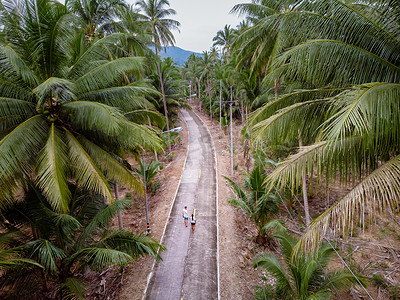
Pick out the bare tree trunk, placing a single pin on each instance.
(305, 197)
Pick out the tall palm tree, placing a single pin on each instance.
(224, 39)
(95, 14)
(155, 13)
(60, 115)
(350, 118)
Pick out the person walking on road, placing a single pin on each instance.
(185, 216)
(193, 222)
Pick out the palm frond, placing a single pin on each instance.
(99, 258)
(86, 172)
(14, 111)
(74, 288)
(367, 110)
(46, 253)
(108, 73)
(271, 264)
(135, 246)
(19, 66)
(141, 116)
(18, 263)
(379, 193)
(126, 97)
(352, 64)
(93, 55)
(85, 115)
(19, 146)
(52, 171)
(326, 157)
(101, 220)
(110, 167)
(134, 135)
(287, 123)
(236, 188)
(46, 90)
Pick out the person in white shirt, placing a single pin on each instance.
(185, 216)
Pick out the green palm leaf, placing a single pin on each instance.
(141, 116)
(350, 65)
(93, 55)
(86, 172)
(100, 221)
(110, 167)
(280, 127)
(17, 263)
(20, 145)
(74, 288)
(271, 264)
(85, 115)
(135, 246)
(370, 109)
(52, 171)
(379, 192)
(99, 258)
(19, 66)
(14, 111)
(108, 73)
(126, 97)
(45, 90)
(46, 253)
(134, 135)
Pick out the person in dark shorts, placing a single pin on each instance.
(185, 216)
(193, 222)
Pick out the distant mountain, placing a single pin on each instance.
(179, 55)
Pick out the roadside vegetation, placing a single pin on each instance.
(80, 92)
(316, 87)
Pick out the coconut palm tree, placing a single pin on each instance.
(65, 246)
(349, 119)
(224, 39)
(303, 277)
(96, 15)
(258, 203)
(155, 13)
(60, 115)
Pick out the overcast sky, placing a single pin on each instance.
(200, 21)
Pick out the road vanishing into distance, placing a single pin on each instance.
(189, 269)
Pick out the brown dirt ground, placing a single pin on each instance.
(375, 251)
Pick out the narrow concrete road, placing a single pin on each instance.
(189, 266)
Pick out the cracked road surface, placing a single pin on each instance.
(189, 266)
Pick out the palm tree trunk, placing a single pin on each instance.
(220, 104)
(120, 225)
(165, 103)
(199, 97)
(305, 197)
(148, 119)
(210, 105)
